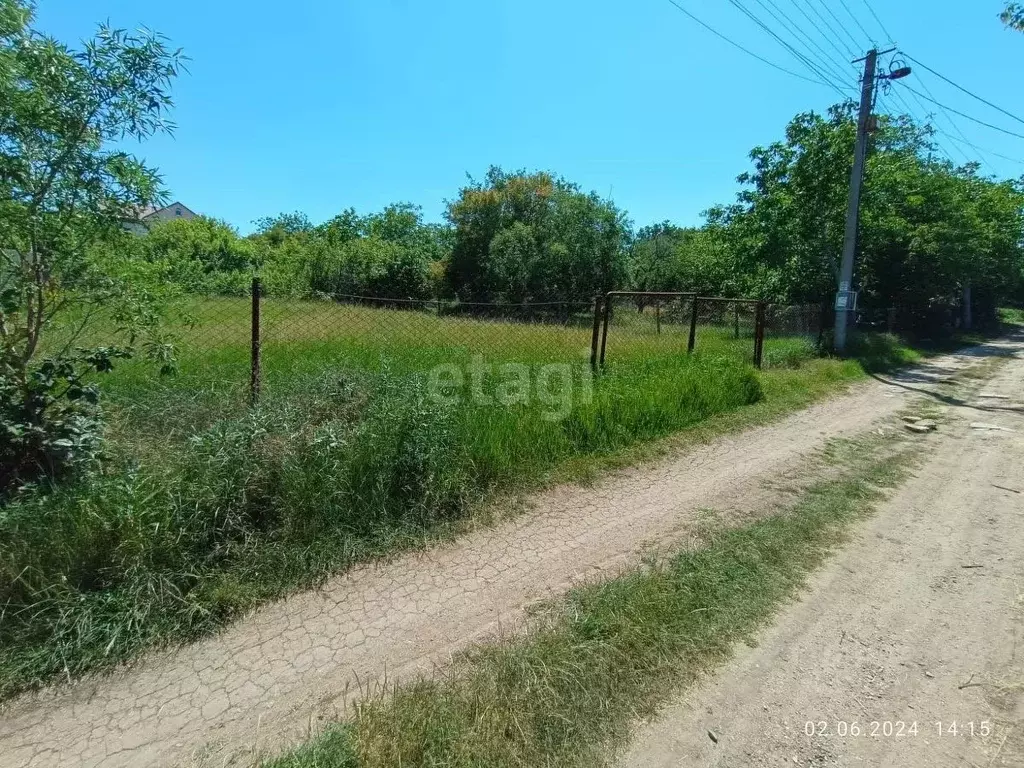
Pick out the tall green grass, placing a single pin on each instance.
(167, 545)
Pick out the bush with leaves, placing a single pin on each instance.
(49, 421)
(200, 255)
(66, 190)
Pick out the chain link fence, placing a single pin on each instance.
(232, 351)
(637, 324)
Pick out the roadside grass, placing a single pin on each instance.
(204, 509)
(1011, 315)
(569, 690)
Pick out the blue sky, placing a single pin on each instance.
(317, 106)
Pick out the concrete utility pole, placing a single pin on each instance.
(844, 302)
(846, 299)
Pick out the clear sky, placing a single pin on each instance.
(316, 105)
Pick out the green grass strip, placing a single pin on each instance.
(568, 692)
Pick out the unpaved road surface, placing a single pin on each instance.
(271, 679)
(919, 621)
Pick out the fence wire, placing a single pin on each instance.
(223, 366)
(304, 338)
(644, 325)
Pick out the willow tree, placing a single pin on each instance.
(67, 185)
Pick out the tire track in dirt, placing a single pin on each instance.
(272, 678)
(919, 620)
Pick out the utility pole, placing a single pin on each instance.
(844, 299)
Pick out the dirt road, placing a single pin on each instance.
(271, 679)
(908, 650)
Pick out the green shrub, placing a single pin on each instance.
(49, 417)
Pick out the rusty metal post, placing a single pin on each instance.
(255, 370)
(604, 332)
(737, 309)
(595, 338)
(759, 325)
(693, 326)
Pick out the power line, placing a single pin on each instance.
(747, 51)
(976, 148)
(929, 123)
(961, 88)
(835, 35)
(944, 113)
(968, 117)
(841, 25)
(837, 61)
(904, 108)
(981, 152)
(835, 67)
(953, 123)
(884, 30)
(825, 38)
(931, 112)
(856, 20)
(799, 56)
(810, 65)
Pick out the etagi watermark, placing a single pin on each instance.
(555, 386)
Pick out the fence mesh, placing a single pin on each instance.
(726, 326)
(309, 340)
(645, 325)
(305, 338)
(792, 334)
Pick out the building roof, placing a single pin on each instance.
(150, 211)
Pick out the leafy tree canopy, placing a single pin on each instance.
(521, 237)
(1013, 16)
(927, 229)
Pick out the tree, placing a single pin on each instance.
(786, 228)
(277, 228)
(66, 188)
(652, 258)
(929, 231)
(524, 237)
(1013, 16)
(391, 254)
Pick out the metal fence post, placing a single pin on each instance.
(595, 338)
(255, 371)
(657, 314)
(604, 332)
(693, 327)
(759, 325)
(737, 308)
